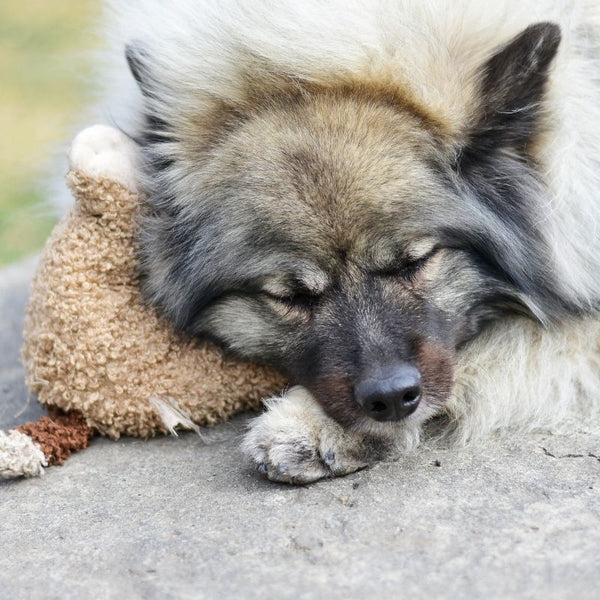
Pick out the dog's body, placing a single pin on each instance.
(396, 203)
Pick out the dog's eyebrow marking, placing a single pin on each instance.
(420, 248)
(314, 279)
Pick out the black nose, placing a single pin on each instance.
(390, 393)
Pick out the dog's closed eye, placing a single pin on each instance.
(299, 300)
(408, 267)
(293, 302)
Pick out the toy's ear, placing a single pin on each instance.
(100, 158)
(512, 84)
(138, 60)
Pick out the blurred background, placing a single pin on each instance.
(46, 60)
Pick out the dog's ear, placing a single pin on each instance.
(512, 87)
(138, 61)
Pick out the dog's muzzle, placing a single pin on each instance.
(390, 393)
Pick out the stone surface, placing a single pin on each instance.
(15, 403)
(184, 518)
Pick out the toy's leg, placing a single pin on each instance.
(105, 152)
(27, 449)
(294, 441)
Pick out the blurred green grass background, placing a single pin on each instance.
(44, 83)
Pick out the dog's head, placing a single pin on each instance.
(342, 234)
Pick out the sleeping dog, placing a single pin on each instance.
(394, 203)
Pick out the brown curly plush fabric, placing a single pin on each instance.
(92, 346)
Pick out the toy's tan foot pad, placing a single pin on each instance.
(103, 152)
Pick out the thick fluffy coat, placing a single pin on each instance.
(346, 190)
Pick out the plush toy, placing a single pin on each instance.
(101, 360)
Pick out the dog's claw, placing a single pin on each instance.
(329, 457)
(262, 468)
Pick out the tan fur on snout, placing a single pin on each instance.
(436, 365)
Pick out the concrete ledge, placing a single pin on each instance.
(178, 518)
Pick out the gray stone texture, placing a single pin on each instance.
(516, 517)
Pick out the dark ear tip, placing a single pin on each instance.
(548, 28)
(547, 34)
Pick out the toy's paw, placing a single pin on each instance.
(294, 441)
(105, 152)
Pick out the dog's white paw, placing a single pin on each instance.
(294, 441)
(105, 152)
